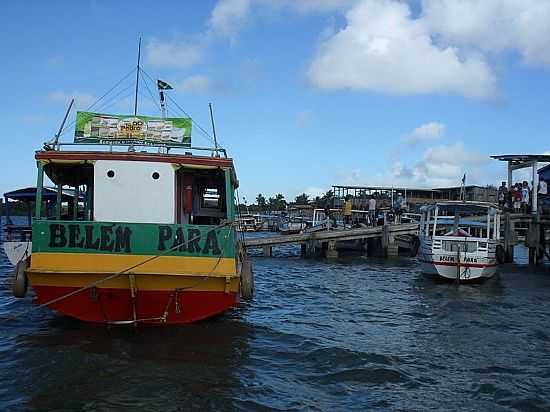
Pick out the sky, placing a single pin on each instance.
(306, 94)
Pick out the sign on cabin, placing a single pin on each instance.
(98, 128)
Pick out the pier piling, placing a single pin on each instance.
(331, 252)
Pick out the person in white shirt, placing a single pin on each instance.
(543, 187)
(372, 211)
(525, 197)
(543, 194)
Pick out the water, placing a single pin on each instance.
(355, 334)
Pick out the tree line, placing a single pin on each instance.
(279, 203)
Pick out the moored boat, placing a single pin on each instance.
(459, 240)
(246, 223)
(148, 237)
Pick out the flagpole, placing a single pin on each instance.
(137, 78)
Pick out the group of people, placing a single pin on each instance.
(519, 197)
(347, 211)
(399, 206)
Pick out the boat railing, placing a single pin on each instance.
(218, 151)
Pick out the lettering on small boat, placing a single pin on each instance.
(109, 239)
(462, 260)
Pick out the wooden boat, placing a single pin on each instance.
(147, 238)
(459, 240)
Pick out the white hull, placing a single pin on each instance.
(17, 251)
(463, 266)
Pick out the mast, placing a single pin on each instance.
(56, 138)
(213, 129)
(137, 78)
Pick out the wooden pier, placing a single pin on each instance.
(531, 229)
(383, 238)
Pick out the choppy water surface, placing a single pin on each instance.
(354, 334)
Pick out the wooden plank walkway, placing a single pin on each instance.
(333, 235)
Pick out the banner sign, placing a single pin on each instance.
(98, 128)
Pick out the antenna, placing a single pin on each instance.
(137, 78)
(214, 130)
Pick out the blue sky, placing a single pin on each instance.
(306, 94)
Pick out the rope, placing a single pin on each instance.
(105, 279)
(166, 308)
(99, 99)
(182, 110)
(157, 105)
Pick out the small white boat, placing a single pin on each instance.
(246, 223)
(459, 240)
(291, 227)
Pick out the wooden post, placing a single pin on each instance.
(267, 251)
(534, 199)
(311, 249)
(364, 247)
(392, 248)
(39, 184)
(508, 239)
(331, 252)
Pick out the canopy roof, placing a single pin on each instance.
(28, 194)
(521, 158)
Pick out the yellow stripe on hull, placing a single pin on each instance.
(111, 263)
(143, 282)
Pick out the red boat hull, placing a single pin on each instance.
(107, 305)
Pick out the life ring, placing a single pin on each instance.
(500, 254)
(247, 280)
(415, 245)
(21, 283)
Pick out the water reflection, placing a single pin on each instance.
(131, 368)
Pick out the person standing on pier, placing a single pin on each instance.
(517, 198)
(372, 211)
(398, 208)
(542, 195)
(525, 197)
(502, 195)
(347, 210)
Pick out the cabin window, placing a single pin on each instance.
(200, 196)
(69, 192)
(211, 198)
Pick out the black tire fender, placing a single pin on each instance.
(20, 281)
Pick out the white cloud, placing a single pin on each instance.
(383, 49)
(313, 192)
(310, 6)
(228, 17)
(81, 100)
(196, 84)
(443, 165)
(424, 133)
(439, 166)
(174, 54)
(493, 25)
